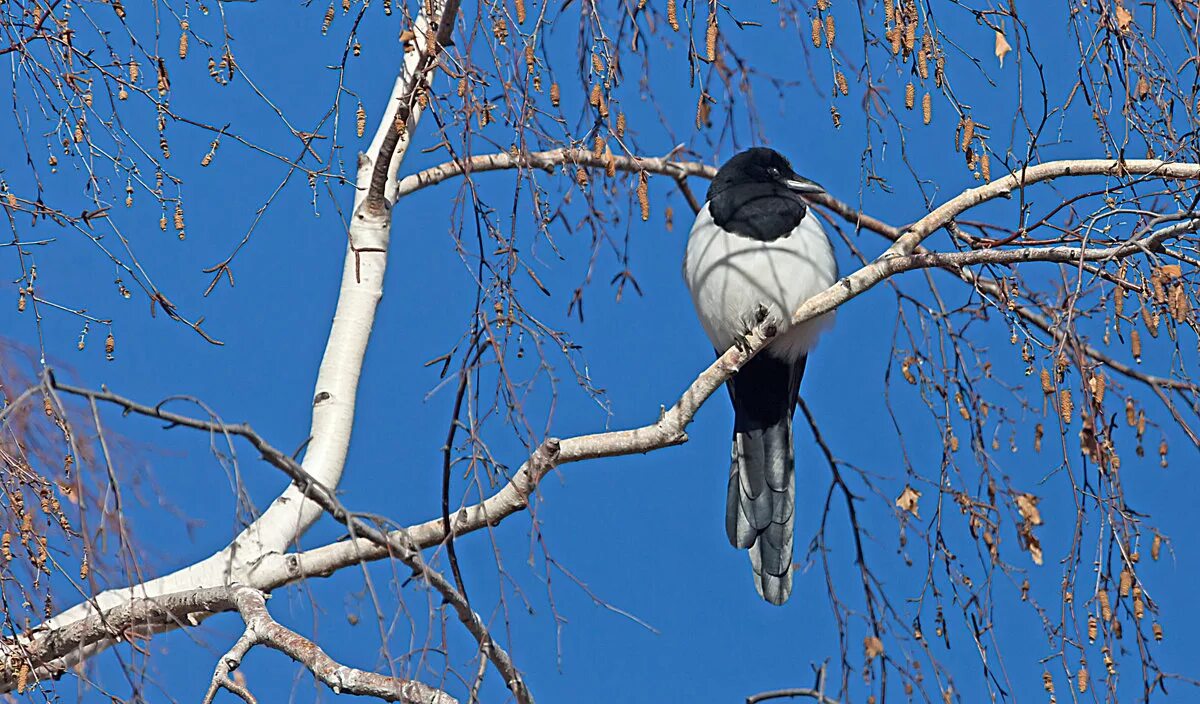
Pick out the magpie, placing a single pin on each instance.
(756, 247)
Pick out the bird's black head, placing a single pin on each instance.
(757, 194)
(760, 165)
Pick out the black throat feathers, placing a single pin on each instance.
(761, 211)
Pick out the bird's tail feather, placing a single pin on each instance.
(761, 500)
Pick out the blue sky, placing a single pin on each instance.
(644, 533)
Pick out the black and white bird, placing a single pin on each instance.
(755, 245)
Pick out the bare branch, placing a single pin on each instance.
(397, 544)
(501, 161)
(229, 662)
(793, 693)
(817, 692)
(261, 629)
(49, 653)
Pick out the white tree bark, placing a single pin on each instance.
(290, 515)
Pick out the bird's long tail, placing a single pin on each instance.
(760, 505)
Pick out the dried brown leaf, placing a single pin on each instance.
(907, 501)
(1002, 47)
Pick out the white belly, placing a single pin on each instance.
(730, 276)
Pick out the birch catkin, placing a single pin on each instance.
(710, 38)
(183, 39)
(643, 194)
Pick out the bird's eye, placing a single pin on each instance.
(773, 172)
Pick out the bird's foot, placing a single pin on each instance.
(768, 325)
(760, 314)
(742, 343)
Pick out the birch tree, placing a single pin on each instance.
(1027, 202)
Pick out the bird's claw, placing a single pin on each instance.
(760, 313)
(742, 342)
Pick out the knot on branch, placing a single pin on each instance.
(546, 457)
(374, 207)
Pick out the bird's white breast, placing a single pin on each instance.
(730, 276)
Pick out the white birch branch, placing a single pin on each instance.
(335, 396)
(49, 654)
(547, 160)
(290, 515)
(262, 629)
(396, 543)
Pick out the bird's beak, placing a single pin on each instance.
(803, 186)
